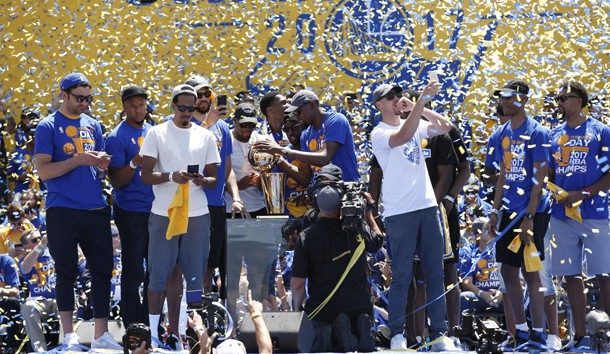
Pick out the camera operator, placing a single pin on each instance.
(339, 308)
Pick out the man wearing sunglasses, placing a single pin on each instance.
(167, 150)
(38, 269)
(69, 155)
(410, 204)
(210, 115)
(522, 155)
(580, 156)
(328, 138)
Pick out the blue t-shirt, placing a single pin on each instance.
(334, 127)
(485, 275)
(21, 161)
(9, 275)
(580, 157)
(62, 138)
(519, 149)
(41, 279)
(222, 134)
(124, 143)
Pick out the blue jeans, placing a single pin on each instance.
(418, 230)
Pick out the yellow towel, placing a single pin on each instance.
(573, 211)
(530, 254)
(178, 212)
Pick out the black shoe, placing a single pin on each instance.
(366, 341)
(537, 340)
(343, 339)
(173, 342)
(520, 341)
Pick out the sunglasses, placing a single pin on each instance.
(247, 125)
(563, 98)
(186, 108)
(390, 96)
(206, 94)
(81, 98)
(509, 94)
(295, 128)
(34, 239)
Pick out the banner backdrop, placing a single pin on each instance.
(328, 46)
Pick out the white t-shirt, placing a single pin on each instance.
(252, 197)
(176, 148)
(406, 185)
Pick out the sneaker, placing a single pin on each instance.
(174, 343)
(444, 344)
(71, 343)
(553, 344)
(519, 342)
(581, 344)
(343, 339)
(537, 340)
(366, 341)
(398, 342)
(106, 341)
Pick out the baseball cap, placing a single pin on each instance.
(29, 112)
(72, 80)
(231, 346)
(383, 90)
(183, 90)
(513, 86)
(330, 171)
(198, 82)
(245, 113)
(131, 91)
(328, 198)
(300, 99)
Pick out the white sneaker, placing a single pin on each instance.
(444, 344)
(105, 342)
(398, 342)
(71, 343)
(553, 344)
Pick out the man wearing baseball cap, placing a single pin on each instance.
(248, 180)
(69, 155)
(132, 200)
(174, 156)
(410, 205)
(210, 115)
(523, 157)
(328, 138)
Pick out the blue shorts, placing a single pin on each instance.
(572, 242)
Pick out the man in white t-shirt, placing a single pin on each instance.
(178, 152)
(411, 211)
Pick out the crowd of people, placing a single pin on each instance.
(114, 222)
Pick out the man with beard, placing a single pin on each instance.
(328, 138)
(182, 233)
(69, 156)
(211, 117)
(249, 181)
(579, 166)
(132, 201)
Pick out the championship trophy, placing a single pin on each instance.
(274, 183)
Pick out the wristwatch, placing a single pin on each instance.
(529, 216)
